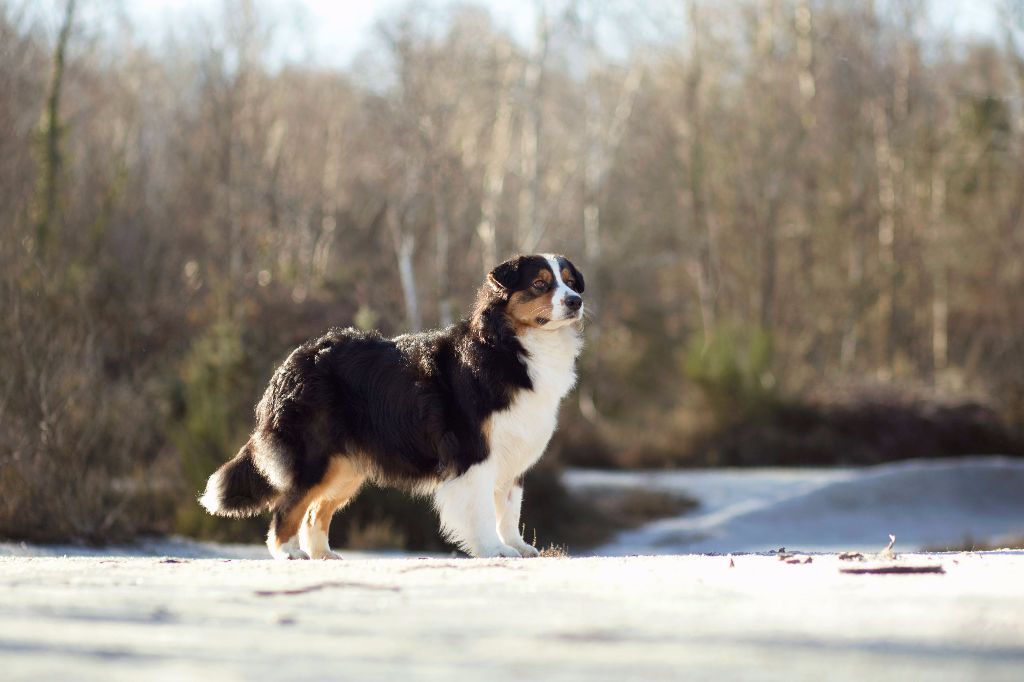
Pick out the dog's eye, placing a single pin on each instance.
(571, 283)
(540, 285)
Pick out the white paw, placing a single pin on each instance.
(526, 551)
(498, 550)
(286, 551)
(326, 555)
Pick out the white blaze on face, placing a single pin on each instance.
(559, 313)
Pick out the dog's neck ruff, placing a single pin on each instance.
(550, 358)
(520, 433)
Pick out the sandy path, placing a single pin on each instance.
(641, 618)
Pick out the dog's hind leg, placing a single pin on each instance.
(283, 538)
(340, 484)
(466, 506)
(281, 461)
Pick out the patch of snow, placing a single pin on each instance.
(573, 620)
(924, 503)
(177, 547)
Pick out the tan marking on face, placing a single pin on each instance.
(341, 481)
(566, 276)
(524, 310)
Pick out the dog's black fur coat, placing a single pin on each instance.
(413, 407)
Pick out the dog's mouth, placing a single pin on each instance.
(570, 315)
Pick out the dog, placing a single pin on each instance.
(459, 413)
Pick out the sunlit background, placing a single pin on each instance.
(801, 224)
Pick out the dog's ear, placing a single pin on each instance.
(576, 275)
(506, 276)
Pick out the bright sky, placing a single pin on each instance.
(334, 32)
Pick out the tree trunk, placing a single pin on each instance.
(599, 146)
(52, 129)
(939, 269)
(530, 137)
(328, 207)
(701, 264)
(803, 24)
(405, 249)
(885, 166)
(769, 180)
(854, 285)
(494, 167)
(441, 250)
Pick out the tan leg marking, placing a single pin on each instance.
(340, 484)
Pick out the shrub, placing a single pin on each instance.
(733, 372)
(76, 444)
(219, 382)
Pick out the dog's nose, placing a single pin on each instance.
(573, 302)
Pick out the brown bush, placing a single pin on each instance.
(75, 447)
(868, 432)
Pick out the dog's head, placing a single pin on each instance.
(536, 292)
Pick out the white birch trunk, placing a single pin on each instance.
(494, 168)
(405, 249)
(530, 136)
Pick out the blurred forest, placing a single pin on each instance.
(801, 223)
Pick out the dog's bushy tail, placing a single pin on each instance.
(238, 488)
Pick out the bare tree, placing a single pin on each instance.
(497, 157)
(701, 263)
(51, 130)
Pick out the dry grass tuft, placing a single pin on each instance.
(971, 545)
(554, 551)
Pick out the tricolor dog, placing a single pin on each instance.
(458, 413)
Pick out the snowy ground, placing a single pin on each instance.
(635, 618)
(925, 503)
(176, 609)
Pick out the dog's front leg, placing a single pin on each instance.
(508, 500)
(466, 506)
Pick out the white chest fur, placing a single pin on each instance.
(520, 433)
